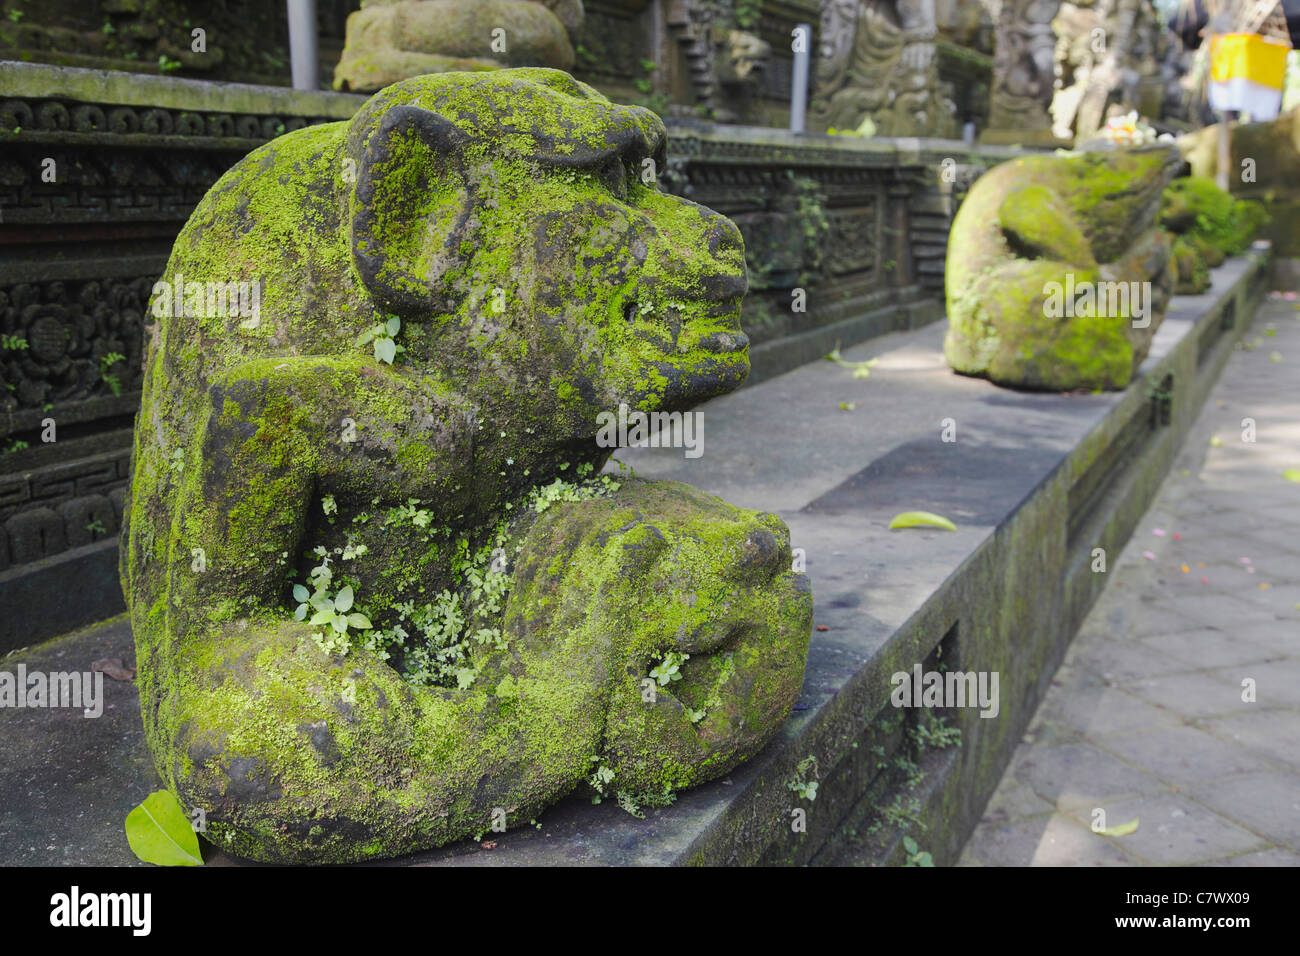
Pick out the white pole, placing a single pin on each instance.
(799, 82)
(302, 44)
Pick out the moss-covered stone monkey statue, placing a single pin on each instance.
(381, 598)
(1057, 274)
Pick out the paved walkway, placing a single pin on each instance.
(1146, 718)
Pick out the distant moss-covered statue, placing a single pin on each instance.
(1057, 274)
(382, 597)
(1208, 225)
(391, 40)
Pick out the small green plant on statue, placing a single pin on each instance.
(334, 611)
(383, 336)
(669, 669)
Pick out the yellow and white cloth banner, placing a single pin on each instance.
(1247, 73)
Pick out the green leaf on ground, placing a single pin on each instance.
(160, 832)
(1291, 474)
(1124, 829)
(913, 519)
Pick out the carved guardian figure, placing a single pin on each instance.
(381, 597)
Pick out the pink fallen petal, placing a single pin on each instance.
(1148, 555)
(1245, 560)
(1158, 532)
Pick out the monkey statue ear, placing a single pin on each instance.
(409, 210)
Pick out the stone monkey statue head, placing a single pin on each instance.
(536, 233)
(512, 220)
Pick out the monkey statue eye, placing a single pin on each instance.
(613, 176)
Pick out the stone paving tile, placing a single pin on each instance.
(1102, 711)
(1052, 840)
(1147, 616)
(1079, 774)
(1192, 695)
(1124, 659)
(1275, 537)
(1267, 803)
(1145, 718)
(1176, 831)
(1225, 611)
(1013, 800)
(1184, 755)
(1208, 648)
(1261, 858)
(1273, 733)
(1277, 681)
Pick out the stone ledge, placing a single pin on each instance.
(43, 81)
(1004, 592)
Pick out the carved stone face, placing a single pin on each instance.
(541, 236)
(745, 59)
(838, 23)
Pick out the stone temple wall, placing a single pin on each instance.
(858, 226)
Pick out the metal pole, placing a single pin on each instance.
(799, 82)
(302, 44)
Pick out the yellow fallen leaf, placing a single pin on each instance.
(1216, 442)
(1291, 474)
(913, 519)
(1124, 829)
